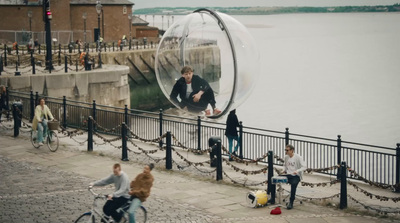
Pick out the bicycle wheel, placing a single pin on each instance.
(52, 141)
(33, 139)
(141, 215)
(86, 218)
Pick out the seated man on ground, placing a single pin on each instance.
(195, 93)
(120, 195)
(293, 167)
(140, 190)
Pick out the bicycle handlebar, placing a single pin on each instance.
(90, 188)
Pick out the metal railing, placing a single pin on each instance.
(374, 163)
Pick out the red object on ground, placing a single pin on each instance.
(277, 210)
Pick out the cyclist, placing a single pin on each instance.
(120, 195)
(42, 114)
(140, 190)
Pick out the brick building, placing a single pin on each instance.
(67, 23)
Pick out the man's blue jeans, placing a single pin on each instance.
(132, 209)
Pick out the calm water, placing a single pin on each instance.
(326, 74)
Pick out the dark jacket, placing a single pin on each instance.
(231, 123)
(179, 89)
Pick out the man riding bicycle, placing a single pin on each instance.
(120, 195)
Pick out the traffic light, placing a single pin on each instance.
(49, 16)
(46, 11)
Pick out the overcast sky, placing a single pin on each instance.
(243, 3)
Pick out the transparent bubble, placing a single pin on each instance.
(219, 49)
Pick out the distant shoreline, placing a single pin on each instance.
(269, 10)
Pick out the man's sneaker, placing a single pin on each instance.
(290, 205)
(217, 111)
(40, 144)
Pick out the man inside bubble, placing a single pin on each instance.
(195, 93)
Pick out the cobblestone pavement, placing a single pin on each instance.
(33, 193)
(37, 185)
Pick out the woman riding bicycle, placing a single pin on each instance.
(140, 190)
(42, 114)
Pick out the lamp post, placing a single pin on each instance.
(130, 30)
(98, 10)
(30, 23)
(84, 16)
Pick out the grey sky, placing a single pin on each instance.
(243, 3)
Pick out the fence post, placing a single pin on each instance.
(198, 133)
(339, 155)
(219, 160)
(39, 48)
(5, 55)
(343, 186)
(113, 46)
(33, 66)
(126, 115)
(94, 114)
(168, 155)
(287, 136)
(397, 188)
(17, 73)
(1, 64)
(8, 102)
(90, 134)
(124, 147)
(76, 65)
(17, 116)
(66, 63)
(32, 107)
(161, 127)
(271, 189)
(36, 99)
(59, 54)
(64, 112)
(241, 140)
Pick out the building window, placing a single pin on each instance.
(124, 10)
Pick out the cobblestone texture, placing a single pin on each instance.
(32, 193)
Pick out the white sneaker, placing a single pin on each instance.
(40, 144)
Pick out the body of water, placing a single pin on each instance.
(325, 75)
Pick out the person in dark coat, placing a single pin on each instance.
(195, 93)
(231, 132)
(3, 100)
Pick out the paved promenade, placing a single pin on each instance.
(37, 185)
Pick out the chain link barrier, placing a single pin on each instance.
(371, 195)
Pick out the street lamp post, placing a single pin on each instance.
(84, 16)
(30, 23)
(98, 10)
(130, 31)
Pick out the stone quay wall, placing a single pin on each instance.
(108, 86)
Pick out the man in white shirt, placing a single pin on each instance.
(294, 167)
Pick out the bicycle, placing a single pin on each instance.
(52, 137)
(89, 217)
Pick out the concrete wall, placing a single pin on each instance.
(108, 86)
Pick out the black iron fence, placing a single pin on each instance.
(374, 163)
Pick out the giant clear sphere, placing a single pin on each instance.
(220, 50)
